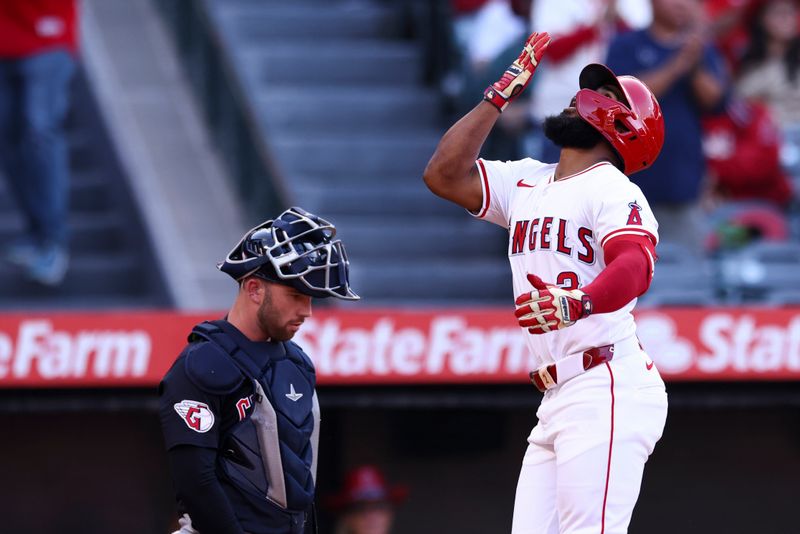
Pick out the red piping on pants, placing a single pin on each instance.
(610, 446)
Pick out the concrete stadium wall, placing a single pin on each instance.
(732, 470)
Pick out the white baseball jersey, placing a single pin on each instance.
(557, 230)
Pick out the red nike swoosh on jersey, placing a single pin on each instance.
(522, 183)
(649, 365)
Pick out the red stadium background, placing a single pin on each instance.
(369, 347)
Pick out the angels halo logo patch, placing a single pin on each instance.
(635, 216)
(196, 415)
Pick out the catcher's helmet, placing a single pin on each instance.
(635, 127)
(296, 249)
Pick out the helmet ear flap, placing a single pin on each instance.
(606, 115)
(634, 128)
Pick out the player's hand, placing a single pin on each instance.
(518, 75)
(549, 307)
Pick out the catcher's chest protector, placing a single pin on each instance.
(270, 457)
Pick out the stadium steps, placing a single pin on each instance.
(388, 197)
(343, 110)
(364, 152)
(311, 64)
(409, 240)
(436, 281)
(256, 22)
(337, 91)
(111, 261)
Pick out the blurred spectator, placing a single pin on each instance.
(487, 35)
(688, 76)
(39, 40)
(742, 147)
(770, 65)
(483, 29)
(738, 224)
(366, 504)
(581, 31)
(728, 28)
(750, 190)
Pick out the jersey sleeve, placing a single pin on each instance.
(622, 210)
(189, 415)
(499, 179)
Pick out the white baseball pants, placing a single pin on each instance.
(583, 468)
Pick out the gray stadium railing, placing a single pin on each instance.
(224, 105)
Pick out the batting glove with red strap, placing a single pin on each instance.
(518, 75)
(549, 307)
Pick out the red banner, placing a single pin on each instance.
(391, 347)
(90, 349)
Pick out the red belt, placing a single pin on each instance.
(546, 377)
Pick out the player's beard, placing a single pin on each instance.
(568, 130)
(270, 321)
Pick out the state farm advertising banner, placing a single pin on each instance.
(444, 346)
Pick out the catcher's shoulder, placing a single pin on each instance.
(211, 369)
(299, 356)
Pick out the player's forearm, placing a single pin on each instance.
(458, 149)
(683, 63)
(451, 173)
(662, 79)
(708, 91)
(198, 488)
(626, 276)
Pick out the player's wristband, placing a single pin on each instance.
(494, 98)
(586, 305)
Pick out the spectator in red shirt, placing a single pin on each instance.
(742, 148)
(728, 28)
(581, 31)
(37, 63)
(750, 191)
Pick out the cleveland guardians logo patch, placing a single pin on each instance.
(242, 405)
(196, 415)
(635, 217)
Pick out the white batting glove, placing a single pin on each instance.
(549, 307)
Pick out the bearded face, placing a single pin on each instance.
(282, 311)
(568, 130)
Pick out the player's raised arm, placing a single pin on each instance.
(451, 172)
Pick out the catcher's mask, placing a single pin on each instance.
(296, 249)
(633, 127)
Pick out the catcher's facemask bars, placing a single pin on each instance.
(271, 243)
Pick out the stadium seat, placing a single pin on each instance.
(680, 279)
(762, 271)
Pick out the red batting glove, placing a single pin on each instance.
(549, 307)
(517, 76)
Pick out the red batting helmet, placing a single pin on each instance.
(635, 127)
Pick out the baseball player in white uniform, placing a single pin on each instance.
(582, 247)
